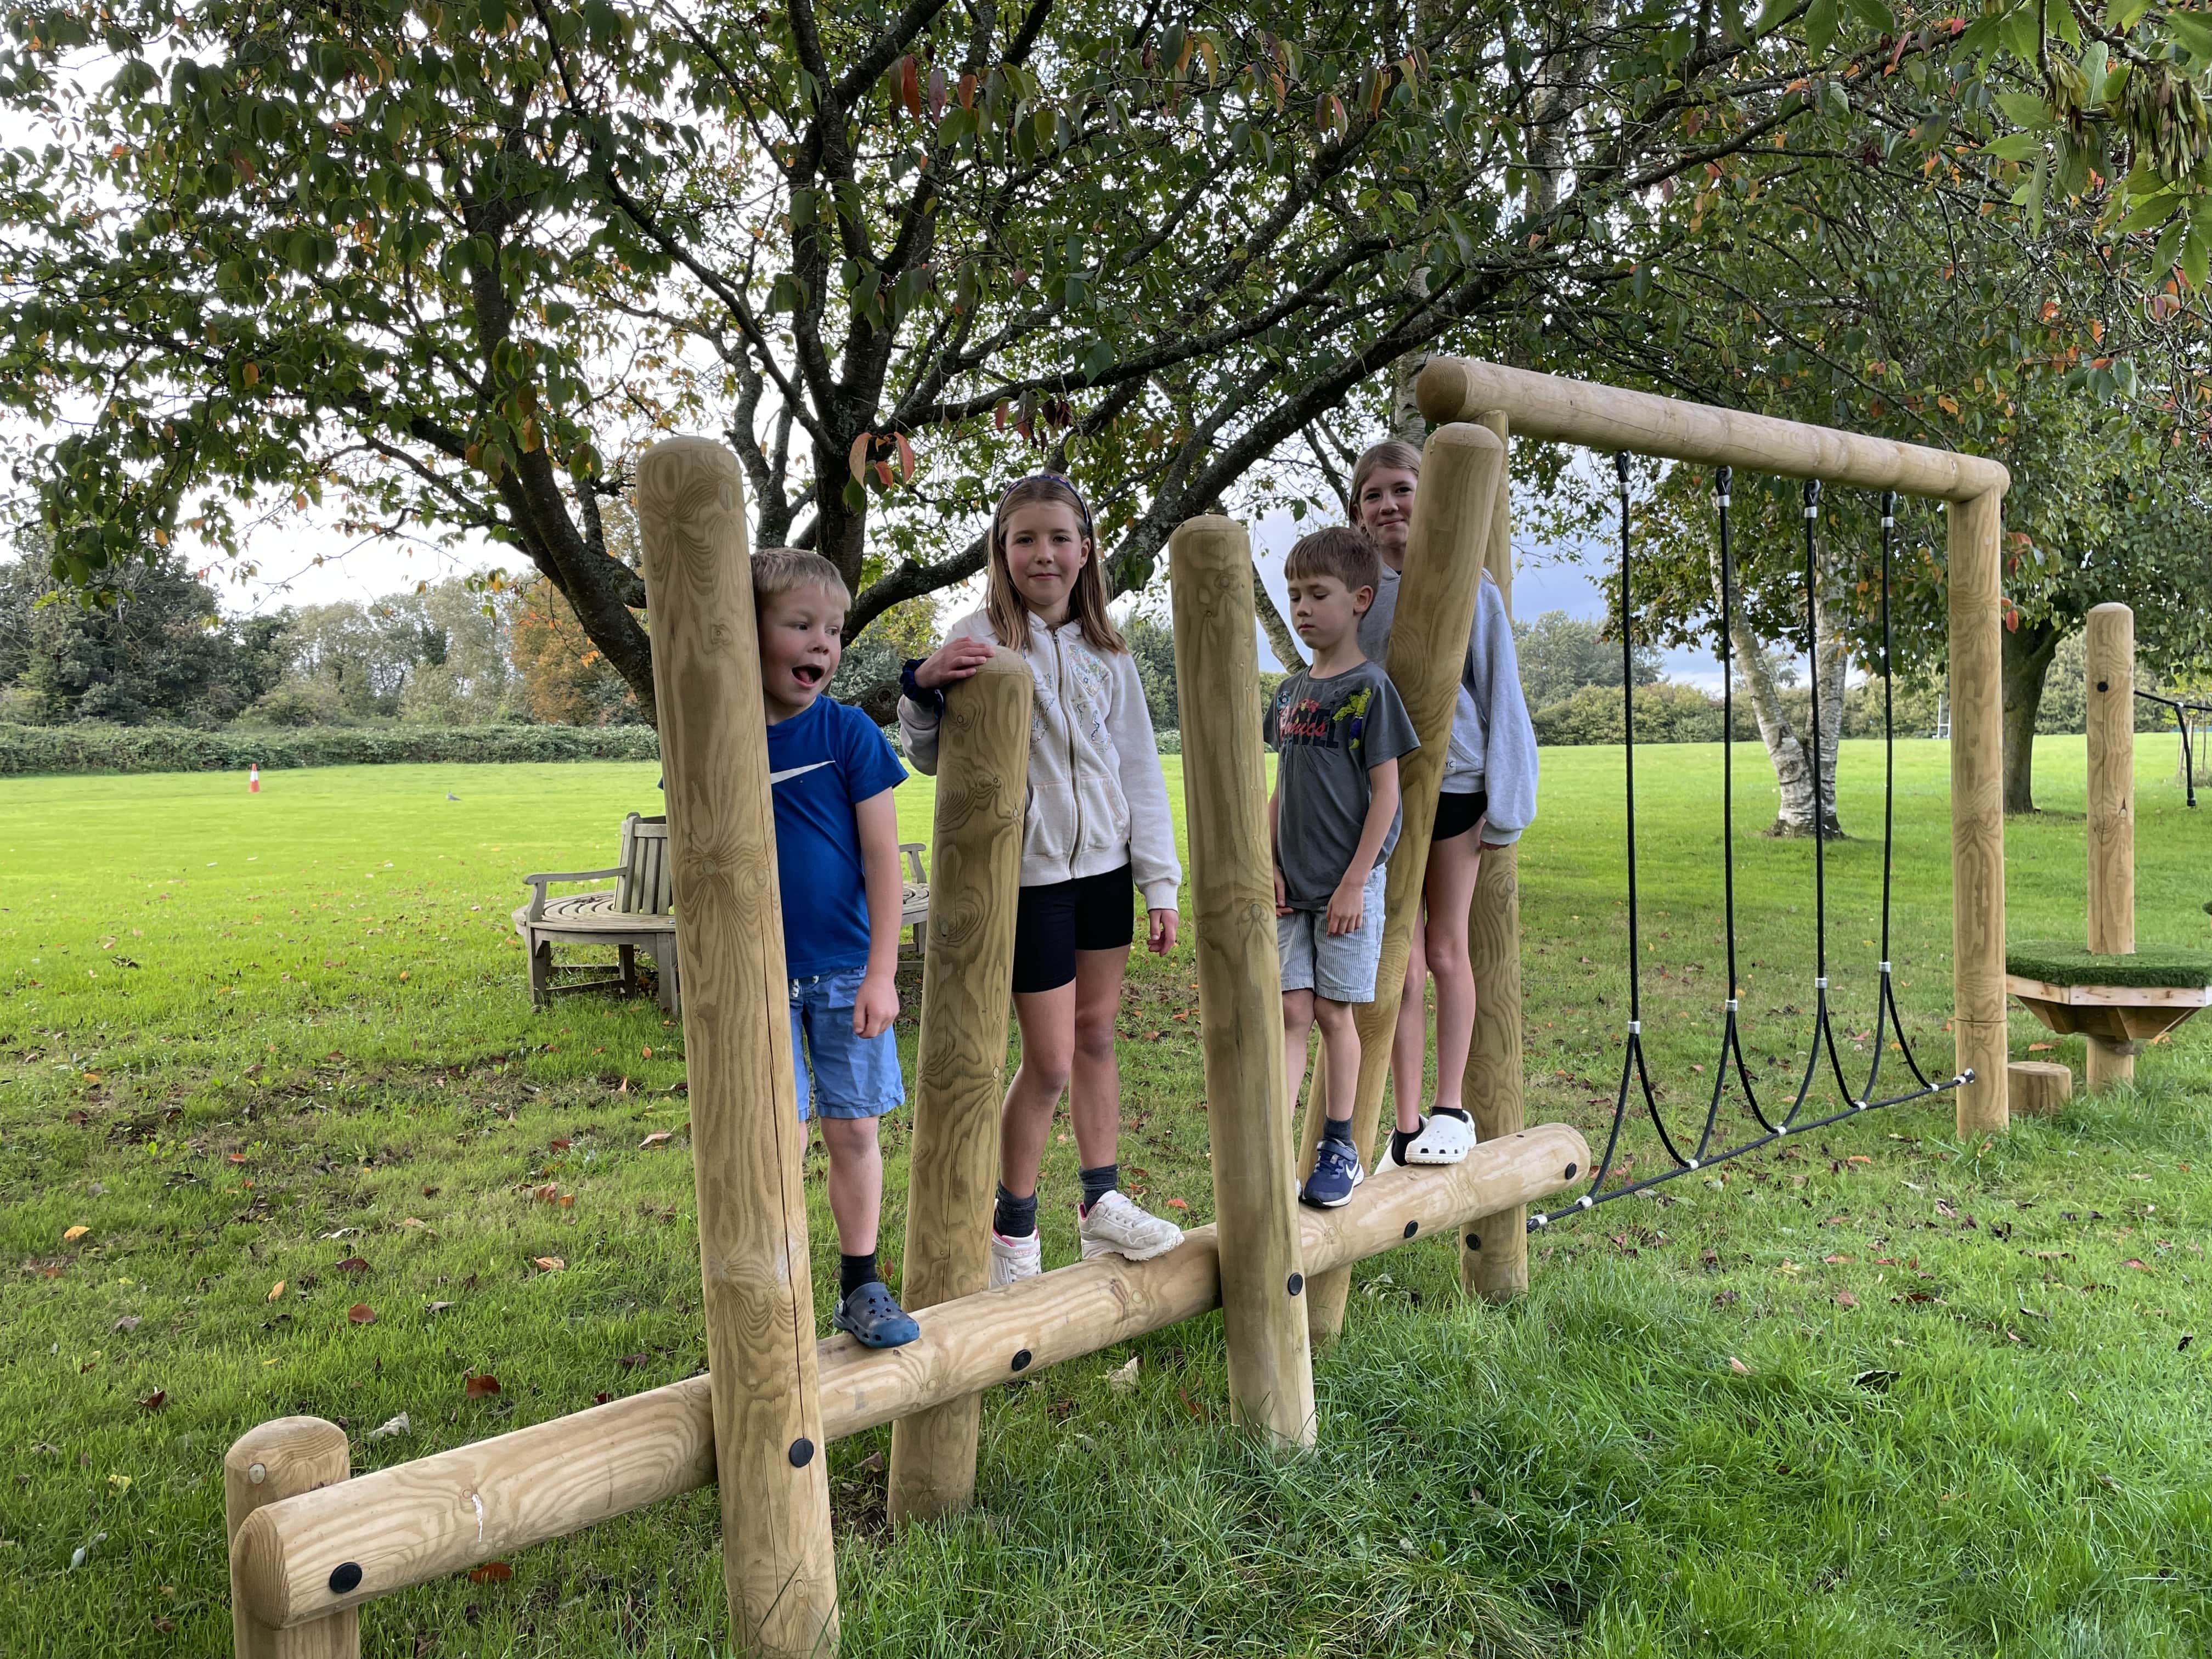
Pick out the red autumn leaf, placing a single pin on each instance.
(492, 1572)
(967, 92)
(910, 84)
(353, 1264)
(1177, 1204)
(238, 1157)
(601, 1399)
(935, 92)
(560, 1145)
(2138, 1265)
(155, 1401)
(475, 1387)
(905, 457)
(858, 460)
(548, 1192)
(360, 1314)
(658, 1138)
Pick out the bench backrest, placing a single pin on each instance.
(644, 888)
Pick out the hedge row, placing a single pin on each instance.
(89, 748)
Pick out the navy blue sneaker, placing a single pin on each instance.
(1336, 1171)
(873, 1317)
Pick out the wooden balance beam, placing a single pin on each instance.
(421, 1520)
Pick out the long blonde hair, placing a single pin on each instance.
(1086, 602)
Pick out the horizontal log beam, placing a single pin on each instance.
(309, 1556)
(1608, 419)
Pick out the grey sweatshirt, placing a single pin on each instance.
(1493, 744)
(1096, 799)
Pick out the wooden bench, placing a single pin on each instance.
(914, 909)
(636, 913)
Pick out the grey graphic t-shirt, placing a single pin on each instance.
(1327, 733)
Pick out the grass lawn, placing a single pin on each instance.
(1880, 1394)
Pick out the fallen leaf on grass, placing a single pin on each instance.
(1738, 1367)
(155, 1401)
(2041, 1048)
(474, 1387)
(70, 1236)
(658, 1138)
(128, 1323)
(1177, 1204)
(352, 1264)
(492, 1572)
(601, 1399)
(360, 1314)
(437, 1307)
(560, 1146)
(165, 1625)
(274, 1291)
(1859, 1158)
(649, 1051)
(1846, 1299)
(1122, 1378)
(391, 1428)
(411, 1221)
(633, 1361)
(1835, 1261)
(548, 1264)
(2138, 1265)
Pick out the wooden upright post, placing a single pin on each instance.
(273, 1461)
(982, 791)
(1462, 467)
(1978, 925)
(2112, 727)
(1240, 997)
(1493, 1256)
(778, 1563)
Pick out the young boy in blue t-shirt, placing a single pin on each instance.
(831, 773)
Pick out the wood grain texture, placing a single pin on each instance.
(1607, 417)
(2110, 652)
(1496, 1268)
(2039, 1088)
(747, 1141)
(1232, 891)
(1462, 465)
(967, 993)
(267, 1464)
(441, 1514)
(1978, 884)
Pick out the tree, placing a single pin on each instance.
(451, 265)
(1559, 655)
(566, 679)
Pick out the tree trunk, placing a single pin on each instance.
(2024, 662)
(1790, 754)
(1280, 639)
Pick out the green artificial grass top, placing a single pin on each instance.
(2067, 964)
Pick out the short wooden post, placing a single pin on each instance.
(2111, 665)
(276, 1460)
(1978, 925)
(1461, 466)
(778, 1563)
(1240, 1001)
(2039, 1088)
(967, 990)
(1493, 1257)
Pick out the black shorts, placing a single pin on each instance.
(1457, 814)
(1051, 924)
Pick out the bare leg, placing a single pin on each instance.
(856, 1181)
(1094, 1091)
(1409, 1041)
(1046, 1020)
(1340, 1041)
(1298, 1024)
(1448, 889)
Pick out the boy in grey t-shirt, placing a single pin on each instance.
(1339, 729)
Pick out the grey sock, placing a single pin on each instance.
(1014, 1218)
(1098, 1182)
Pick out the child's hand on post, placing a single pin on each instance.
(1346, 906)
(1160, 932)
(875, 1006)
(955, 660)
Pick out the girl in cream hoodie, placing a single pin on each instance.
(1098, 825)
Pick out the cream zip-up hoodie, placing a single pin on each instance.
(1097, 800)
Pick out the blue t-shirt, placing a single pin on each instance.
(820, 763)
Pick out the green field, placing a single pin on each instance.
(1879, 1393)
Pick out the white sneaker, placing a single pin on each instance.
(1013, 1258)
(1443, 1140)
(1115, 1226)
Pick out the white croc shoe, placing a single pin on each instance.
(1115, 1226)
(1443, 1140)
(1013, 1258)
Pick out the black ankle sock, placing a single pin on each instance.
(1014, 1218)
(1453, 1111)
(1336, 1128)
(1402, 1139)
(1098, 1182)
(855, 1271)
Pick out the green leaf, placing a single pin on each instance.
(2144, 215)
(2193, 30)
(2026, 109)
(2014, 146)
(1874, 14)
(2196, 259)
(2121, 15)
(1820, 27)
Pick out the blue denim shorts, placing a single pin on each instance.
(1339, 966)
(849, 1076)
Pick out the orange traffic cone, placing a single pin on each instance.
(253, 779)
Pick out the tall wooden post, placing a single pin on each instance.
(265, 1464)
(982, 791)
(1978, 925)
(778, 1563)
(1462, 468)
(1493, 1256)
(2112, 727)
(1240, 995)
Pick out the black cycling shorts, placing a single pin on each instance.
(1051, 924)
(1457, 814)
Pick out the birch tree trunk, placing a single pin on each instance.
(1789, 751)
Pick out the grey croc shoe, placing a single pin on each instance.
(873, 1318)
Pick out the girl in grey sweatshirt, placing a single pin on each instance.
(1098, 825)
